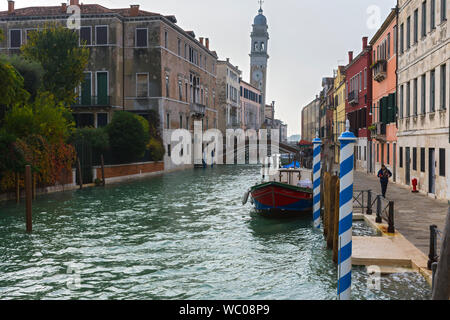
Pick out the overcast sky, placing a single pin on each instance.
(308, 39)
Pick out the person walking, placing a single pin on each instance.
(384, 174)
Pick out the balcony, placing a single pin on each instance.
(89, 101)
(197, 109)
(353, 97)
(379, 131)
(380, 70)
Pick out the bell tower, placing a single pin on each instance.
(259, 56)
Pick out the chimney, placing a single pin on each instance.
(134, 10)
(350, 56)
(228, 59)
(74, 2)
(364, 39)
(64, 7)
(10, 7)
(201, 40)
(207, 43)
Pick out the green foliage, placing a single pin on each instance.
(31, 71)
(145, 126)
(57, 49)
(11, 156)
(44, 117)
(96, 137)
(156, 149)
(11, 86)
(127, 137)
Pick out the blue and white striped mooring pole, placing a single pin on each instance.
(316, 183)
(347, 140)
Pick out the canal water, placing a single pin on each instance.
(183, 235)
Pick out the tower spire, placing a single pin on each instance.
(260, 5)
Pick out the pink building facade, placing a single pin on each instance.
(384, 88)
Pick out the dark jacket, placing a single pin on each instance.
(384, 176)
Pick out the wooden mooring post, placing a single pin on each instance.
(80, 176)
(441, 288)
(332, 211)
(28, 195)
(103, 171)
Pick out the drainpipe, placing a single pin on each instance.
(396, 63)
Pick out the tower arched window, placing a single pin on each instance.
(262, 46)
(256, 46)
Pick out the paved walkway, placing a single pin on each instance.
(414, 213)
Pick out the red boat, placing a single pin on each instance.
(281, 199)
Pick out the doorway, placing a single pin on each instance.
(407, 166)
(431, 171)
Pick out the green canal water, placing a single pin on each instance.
(183, 235)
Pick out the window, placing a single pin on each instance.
(141, 38)
(15, 38)
(179, 47)
(187, 122)
(365, 78)
(166, 39)
(424, 19)
(169, 150)
(408, 99)
(432, 91)
(86, 36)
(443, 10)
(102, 120)
(142, 85)
(395, 39)
(180, 90)
(415, 98)
(168, 121)
(167, 86)
(443, 86)
(378, 152)
(422, 159)
(442, 162)
(414, 159)
(408, 33)
(401, 101)
(433, 15)
(401, 157)
(423, 94)
(181, 121)
(388, 147)
(389, 45)
(402, 39)
(101, 35)
(416, 25)
(185, 51)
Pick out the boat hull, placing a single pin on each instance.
(280, 199)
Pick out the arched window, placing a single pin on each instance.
(256, 46)
(262, 46)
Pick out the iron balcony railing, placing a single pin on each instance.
(380, 70)
(353, 97)
(92, 101)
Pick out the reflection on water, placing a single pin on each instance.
(183, 235)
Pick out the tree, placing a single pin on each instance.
(44, 117)
(127, 137)
(57, 49)
(31, 71)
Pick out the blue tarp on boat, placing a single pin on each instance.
(297, 165)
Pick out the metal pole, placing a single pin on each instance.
(378, 219)
(80, 176)
(369, 202)
(29, 198)
(347, 140)
(391, 228)
(316, 180)
(433, 246)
